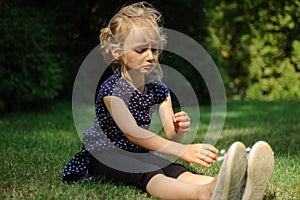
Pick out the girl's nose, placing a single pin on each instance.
(150, 55)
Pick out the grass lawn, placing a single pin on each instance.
(36, 145)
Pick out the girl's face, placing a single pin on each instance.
(141, 50)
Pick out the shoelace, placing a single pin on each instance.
(223, 153)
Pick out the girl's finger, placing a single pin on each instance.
(202, 163)
(208, 153)
(184, 124)
(210, 148)
(206, 159)
(181, 119)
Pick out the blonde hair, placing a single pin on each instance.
(127, 18)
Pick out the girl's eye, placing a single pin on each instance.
(142, 50)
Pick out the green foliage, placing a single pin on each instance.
(285, 86)
(255, 45)
(44, 43)
(29, 71)
(296, 54)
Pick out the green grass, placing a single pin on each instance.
(36, 145)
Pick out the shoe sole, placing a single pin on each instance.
(259, 171)
(232, 173)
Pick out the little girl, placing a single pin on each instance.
(119, 147)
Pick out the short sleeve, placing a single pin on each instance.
(161, 92)
(114, 86)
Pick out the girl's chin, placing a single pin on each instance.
(146, 71)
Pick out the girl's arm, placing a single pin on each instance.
(195, 153)
(175, 125)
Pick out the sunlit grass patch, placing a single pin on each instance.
(35, 146)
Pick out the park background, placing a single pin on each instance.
(255, 45)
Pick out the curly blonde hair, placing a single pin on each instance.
(141, 14)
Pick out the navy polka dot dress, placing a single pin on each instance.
(105, 134)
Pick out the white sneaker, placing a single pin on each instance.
(231, 174)
(259, 171)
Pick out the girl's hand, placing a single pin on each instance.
(202, 154)
(181, 122)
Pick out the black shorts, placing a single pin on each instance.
(132, 169)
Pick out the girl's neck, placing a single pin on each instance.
(134, 78)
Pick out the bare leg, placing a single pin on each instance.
(165, 187)
(195, 178)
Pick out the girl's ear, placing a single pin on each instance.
(116, 51)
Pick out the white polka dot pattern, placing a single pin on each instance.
(105, 134)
